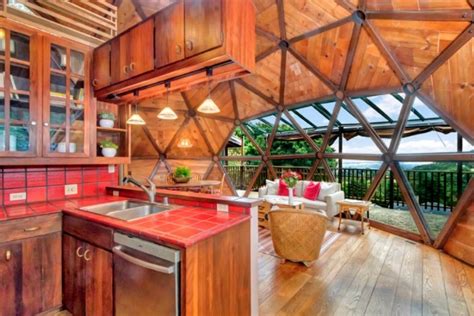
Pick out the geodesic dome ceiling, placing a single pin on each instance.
(335, 56)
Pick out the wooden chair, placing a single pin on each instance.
(218, 191)
(297, 235)
(263, 210)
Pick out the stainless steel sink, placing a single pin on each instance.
(127, 210)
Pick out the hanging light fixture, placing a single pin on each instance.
(209, 106)
(184, 143)
(167, 113)
(136, 119)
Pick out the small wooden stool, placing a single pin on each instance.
(360, 208)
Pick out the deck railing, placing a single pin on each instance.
(437, 191)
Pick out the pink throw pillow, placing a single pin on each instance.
(283, 189)
(312, 191)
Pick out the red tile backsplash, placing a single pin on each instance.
(43, 184)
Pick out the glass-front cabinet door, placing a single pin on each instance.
(66, 106)
(19, 108)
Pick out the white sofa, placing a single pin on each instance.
(326, 201)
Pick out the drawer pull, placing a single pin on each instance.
(32, 229)
(95, 83)
(78, 252)
(87, 258)
(125, 70)
(189, 45)
(8, 255)
(178, 49)
(132, 66)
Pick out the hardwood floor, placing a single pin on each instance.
(375, 274)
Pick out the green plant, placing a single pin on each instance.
(108, 144)
(182, 172)
(107, 116)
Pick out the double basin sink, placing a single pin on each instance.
(127, 210)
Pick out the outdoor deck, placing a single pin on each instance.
(375, 274)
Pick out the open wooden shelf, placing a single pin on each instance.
(111, 130)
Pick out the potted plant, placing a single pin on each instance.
(109, 148)
(106, 119)
(291, 178)
(182, 174)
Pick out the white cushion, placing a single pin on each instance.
(310, 204)
(272, 187)
(315, 205)
(326, 189)
(299, 188)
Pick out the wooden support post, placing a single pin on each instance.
(459, 168)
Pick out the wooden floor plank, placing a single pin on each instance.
(383, 294)
(375, 274)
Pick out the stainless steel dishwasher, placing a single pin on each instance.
(146, 278)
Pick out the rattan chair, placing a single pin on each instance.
(297, 235)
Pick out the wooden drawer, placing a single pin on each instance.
(93, 233)
(29, 227)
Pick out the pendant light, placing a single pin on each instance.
(208, 106)
(167, 113)
(136, 119)
(184, 143)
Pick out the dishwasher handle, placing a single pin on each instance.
(144, 264)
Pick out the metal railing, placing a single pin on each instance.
(436, 191)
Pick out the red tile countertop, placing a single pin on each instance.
(183, 226)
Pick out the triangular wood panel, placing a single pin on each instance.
(250, 104)
(327, 51)
(141, 145)
(370, 70)
(216, 174)
(266, 77)
(417, 43)
(452, 88)
(300, 84)
(263, 44)
(217, 132)
(417, 5)
(199, 147)
(303, 16)
(267, 16)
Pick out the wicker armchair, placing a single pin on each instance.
(297, 235)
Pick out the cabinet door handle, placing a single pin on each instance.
(8, 255)
(95, 83)
(178, 49)
(125, 70)
(189, 45)
(87, 258)
(32, 229)
(78, 252)
(33, 123)
(132, 66)
(46, 124)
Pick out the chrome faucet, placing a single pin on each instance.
(150, 191)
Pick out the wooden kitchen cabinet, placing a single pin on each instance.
(203, 25)
(87, 274)
(101, 66)
(30, 265)
(132, 52)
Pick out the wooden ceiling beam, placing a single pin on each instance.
(281, 99)
(224, 144)
(377, 109)
(139, 10)
(291, 156)
(332, 122)
(401, 123)
(204, 135)
(455, 157)
(256, 92)
(227, 178)
(350, 56)
(349, 6)
(446, 54)
(372, 92)
(313, 169)
(321, 29)
(386, 52)
(379, 175)
(411, 201)
(271, 170)
(241, 158)
(266, 53)
(412, 15)
(175, 136)
(303, 133)
(461, 207)
(252, 140)
(281, 18)
(304, 118)
(269, 36)
(153, 142)
(254, 179)
(208, 170)
(313, 69)
(272, 135)
(353, 156)
(368, 128)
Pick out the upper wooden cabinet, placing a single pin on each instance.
(132, 52)
(203, 25)
(101, 66)
(175, 43)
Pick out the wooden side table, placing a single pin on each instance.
(359, 207)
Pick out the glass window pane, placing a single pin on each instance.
(2, 105)
(76, 87)
(19, 137)
(58, 140)
(369, 112)
(388, 104)
(77, 118)
(20, 77)
(77, 63)
(76, 143)
(58, 85)
(58, 58)
(19, 46)
(19, 107)
(57, 114)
